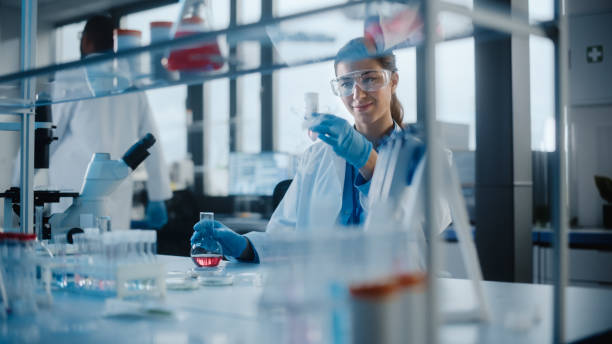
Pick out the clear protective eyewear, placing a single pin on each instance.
(367, 80)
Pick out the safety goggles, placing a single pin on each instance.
(367, 80)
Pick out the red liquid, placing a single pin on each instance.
(206, 56)
(206, 260)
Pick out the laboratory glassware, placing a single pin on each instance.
(201, 56)
(132, 66)
(311, 107)
(376, 311)
(207, 253)
(18, 269)
(160, 31)
(103, 223)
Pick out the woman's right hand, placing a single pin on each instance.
(344, 139)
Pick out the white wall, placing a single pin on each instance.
(590, 154)
(590, 139)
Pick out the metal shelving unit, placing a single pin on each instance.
(66, 82)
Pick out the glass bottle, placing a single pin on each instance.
(201, 56)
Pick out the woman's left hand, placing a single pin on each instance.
(344, 139)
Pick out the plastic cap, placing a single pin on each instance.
(5, 235)
(410, 279)
(192, 20)
(17, 236)
(375, 290)
(28, 237)
(122, 32)
(161, 24)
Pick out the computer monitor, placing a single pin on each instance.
(258, 173)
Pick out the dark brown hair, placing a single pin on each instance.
(99, 31)
(356, 49)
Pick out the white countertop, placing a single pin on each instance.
(230, 314)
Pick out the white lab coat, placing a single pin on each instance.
(112, 125)
(314, 198)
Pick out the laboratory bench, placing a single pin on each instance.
(521, 313)
(590, 256)
(587, 238)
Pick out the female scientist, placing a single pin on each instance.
(333, 178)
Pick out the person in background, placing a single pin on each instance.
(333, 179)
(112, 125)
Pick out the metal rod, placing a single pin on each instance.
(28, 54)
(560, 179)
(432, 169)
(16, 126)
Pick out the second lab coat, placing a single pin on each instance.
(111, 125)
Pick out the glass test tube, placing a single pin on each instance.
(208, 216)
(103, 223)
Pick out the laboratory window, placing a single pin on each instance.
(455, 93)
(249, 110)
(248, 116)
(542, 102)
(249, 11)
(456, 110)
(287, 7)
(405, 60)
(68, 41)
(290, 86)
(216, 137)
(167, 104)
(541, 74)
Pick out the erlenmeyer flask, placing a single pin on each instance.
(207, 252)
(202, 56)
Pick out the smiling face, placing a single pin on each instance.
(369, 108)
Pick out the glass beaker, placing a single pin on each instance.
(201, 56)
(207, 253)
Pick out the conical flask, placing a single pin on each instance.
(201, 56)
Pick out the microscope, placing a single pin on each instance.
(103, 176)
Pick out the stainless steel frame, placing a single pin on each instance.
(29, 9)
(560, 186)
(431, 10)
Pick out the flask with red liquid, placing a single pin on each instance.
(208, 252)
(201, 56)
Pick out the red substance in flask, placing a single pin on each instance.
(206, 260)
(204, 56)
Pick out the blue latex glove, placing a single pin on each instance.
(232, 243)
(156, 216)
(344, 139)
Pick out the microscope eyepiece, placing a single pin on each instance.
(138, 152)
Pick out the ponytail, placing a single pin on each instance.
(397, 111)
